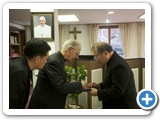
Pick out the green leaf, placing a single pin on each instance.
(79, 74)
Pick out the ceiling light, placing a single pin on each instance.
(110, 12)
(107, 21)
(142, 16)
(67, 18)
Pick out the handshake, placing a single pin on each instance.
(90, 87)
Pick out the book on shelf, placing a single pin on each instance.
(15, 39)
(14, 55)
(12, 39)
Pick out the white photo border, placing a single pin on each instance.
(46, 6)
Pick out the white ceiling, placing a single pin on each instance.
(100, 15)
(86, 16)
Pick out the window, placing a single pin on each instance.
(111, 35)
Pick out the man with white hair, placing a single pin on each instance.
(52, 87)
(42, 30)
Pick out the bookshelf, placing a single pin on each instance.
(16, 43)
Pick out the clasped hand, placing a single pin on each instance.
(92, 86)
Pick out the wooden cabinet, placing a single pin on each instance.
(94, 74)
(138, 67)
(16, 43)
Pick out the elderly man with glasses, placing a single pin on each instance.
(52, 87)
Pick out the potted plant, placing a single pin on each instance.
(72, 76)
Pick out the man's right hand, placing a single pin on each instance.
(84, 85)
(93, 85)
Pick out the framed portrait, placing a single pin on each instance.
(42, 26)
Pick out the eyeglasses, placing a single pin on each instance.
(77, 53)
(96, 57)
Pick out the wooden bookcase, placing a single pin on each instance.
(16, 43)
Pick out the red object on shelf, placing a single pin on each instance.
(13, 55)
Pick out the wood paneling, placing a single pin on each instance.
(91, 64)
(140, 64)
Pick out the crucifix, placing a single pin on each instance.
(75, 33)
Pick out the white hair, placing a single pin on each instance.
(42, 18)
(70, 44)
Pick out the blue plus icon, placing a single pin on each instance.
(147, 99)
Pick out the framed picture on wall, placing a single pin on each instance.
(42, 26)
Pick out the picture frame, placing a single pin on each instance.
(42, 25)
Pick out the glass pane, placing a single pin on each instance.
(103, 35)
(116, 41)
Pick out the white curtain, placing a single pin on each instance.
(63, 34)
(125, 38)
(93, 34)
(141, 40)
(133, 39)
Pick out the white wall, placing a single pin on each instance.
(82, 37)
(56, 32)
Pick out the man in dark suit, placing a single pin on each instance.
(52, 87)
(36, 53)
(117, 91)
